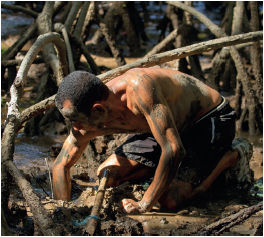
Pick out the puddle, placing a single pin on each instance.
(33, 150)
(154, 222)
(12, 22)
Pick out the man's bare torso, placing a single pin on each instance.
(187, 98)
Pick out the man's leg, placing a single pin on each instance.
(237, 157)
(229, 160)
(123, 169)
(180, 190)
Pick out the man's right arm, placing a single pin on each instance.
(71, 151)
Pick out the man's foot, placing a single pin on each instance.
(241, 172)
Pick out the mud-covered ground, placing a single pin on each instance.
(221, 200)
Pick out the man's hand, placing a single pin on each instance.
(197, 192)
(131, 206)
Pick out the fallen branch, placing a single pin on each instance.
(226, 223)
(182, 53)
(36, 109)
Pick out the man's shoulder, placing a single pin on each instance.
(138, 78)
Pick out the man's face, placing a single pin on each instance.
(81, 121)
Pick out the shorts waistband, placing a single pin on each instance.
(217, 108)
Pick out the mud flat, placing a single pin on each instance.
(220, 201)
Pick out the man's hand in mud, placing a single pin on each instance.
(131, 206)
(197, 192)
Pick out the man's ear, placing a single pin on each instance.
(99, 108)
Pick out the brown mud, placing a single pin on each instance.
(221, 200)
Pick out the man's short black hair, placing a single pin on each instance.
(82, 89)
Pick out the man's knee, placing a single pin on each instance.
(114, 167)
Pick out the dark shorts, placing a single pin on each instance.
(205, 144)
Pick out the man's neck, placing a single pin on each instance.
(116, 107)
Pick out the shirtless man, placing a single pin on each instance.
(183, 133)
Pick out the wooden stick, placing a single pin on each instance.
(92, 223)
(49, 178)
(229, 221)
(40, 185)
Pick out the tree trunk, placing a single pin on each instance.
(162, 26)
(44, 22)
(226, 24)
(230, 69)
(32, 126)
(121, 9)
(90, 18)
(217, 69)
(5, 190)
(175, 18)
(255, 58)
(110, 38)
(137, 22)
(238, 98)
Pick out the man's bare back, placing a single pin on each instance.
(187, 97)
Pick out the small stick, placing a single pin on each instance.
(39, 184)
(49, 178)
(92, 223)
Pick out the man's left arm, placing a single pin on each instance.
(157, 112)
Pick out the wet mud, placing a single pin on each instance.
(188, 220)
(220, 201)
